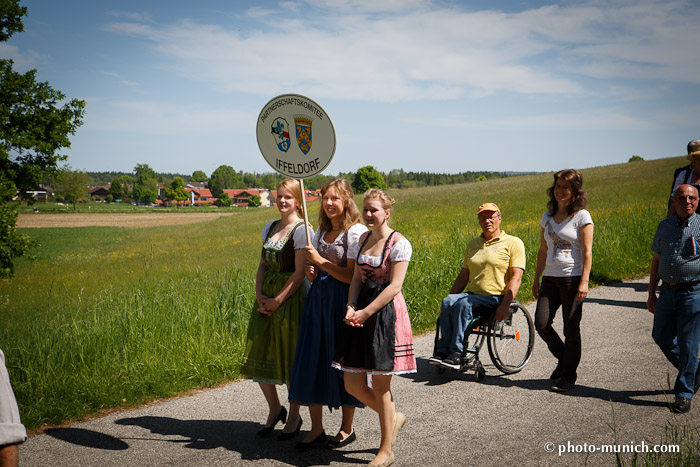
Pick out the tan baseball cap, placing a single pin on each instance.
(488, 207)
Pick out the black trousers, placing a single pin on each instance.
(556, 292)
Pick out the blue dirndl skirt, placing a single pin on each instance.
(314, 381)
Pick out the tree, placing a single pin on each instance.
(635, 158)
(269, 181)
(250, 180)
(35, 123)
(118, 189)
(224, 200)
(254, 201)
(177, 191)
(73, 185)
(368, 177)
(199, 176)
(223, 177)
(146, 184)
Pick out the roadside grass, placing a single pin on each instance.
(113, 317)
(679, 445)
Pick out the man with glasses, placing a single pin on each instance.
(676, 262)
(491, 274)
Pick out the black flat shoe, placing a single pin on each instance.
(317, 442)
(333, 444)
(281, 417)
(292, 434)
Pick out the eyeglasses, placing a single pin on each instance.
(683, 198)
(492, 218)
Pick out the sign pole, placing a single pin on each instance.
(306, 214)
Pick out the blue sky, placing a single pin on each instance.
(439, 86)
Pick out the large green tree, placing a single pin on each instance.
(35, 124)
(368, 177)
(146, 184)
(119, 189)
(176, 191)
(72, 186)
(223, 177)
(199, 176)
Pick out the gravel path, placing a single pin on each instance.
(452, 419)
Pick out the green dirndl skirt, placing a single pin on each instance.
(272, 340)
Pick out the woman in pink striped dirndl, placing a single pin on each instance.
(377, 340)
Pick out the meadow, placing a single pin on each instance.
(109, 317)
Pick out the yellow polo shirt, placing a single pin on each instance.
(489, 263)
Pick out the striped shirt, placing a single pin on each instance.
(678, 244)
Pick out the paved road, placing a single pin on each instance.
(621, 397)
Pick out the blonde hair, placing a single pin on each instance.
(375, 193)
(352, 214)
(293, 187)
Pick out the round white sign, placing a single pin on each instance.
(295, 136)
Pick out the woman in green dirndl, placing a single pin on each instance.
(274, 321)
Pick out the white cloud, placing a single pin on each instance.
(600, 119)
(121, 79)
(133, 16)
(352, 52)
(23, 60)
(161, 118)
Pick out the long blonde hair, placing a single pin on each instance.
(352, 214)
(293, 187)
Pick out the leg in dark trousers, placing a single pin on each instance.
(555, 292)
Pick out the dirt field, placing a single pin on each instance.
(115, 220)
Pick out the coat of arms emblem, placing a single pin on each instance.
(280, 131)
(303, 127)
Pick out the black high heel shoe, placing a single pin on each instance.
(318, 441)
(292, 434)
(281, 417)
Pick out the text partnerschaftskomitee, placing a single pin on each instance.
(291, 101)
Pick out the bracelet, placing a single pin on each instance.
(352, 305)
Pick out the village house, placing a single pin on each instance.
(99, 193)
(241, 198)
(200, 196)
(42, 193)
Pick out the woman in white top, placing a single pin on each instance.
(378, 341)
(564, 264)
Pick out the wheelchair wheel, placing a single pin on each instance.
(511, 341)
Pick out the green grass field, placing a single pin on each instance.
(111, 317)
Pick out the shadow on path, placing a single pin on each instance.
(427, 374)
(621, 303)
(88, 438)
(239, 436)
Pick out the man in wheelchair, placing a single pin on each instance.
(491, 274)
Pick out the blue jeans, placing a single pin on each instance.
(456, 313)
(677, 333)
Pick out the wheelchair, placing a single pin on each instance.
(510, 342)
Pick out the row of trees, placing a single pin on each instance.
(226, 177)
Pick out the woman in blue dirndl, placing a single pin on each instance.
(314, 382)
